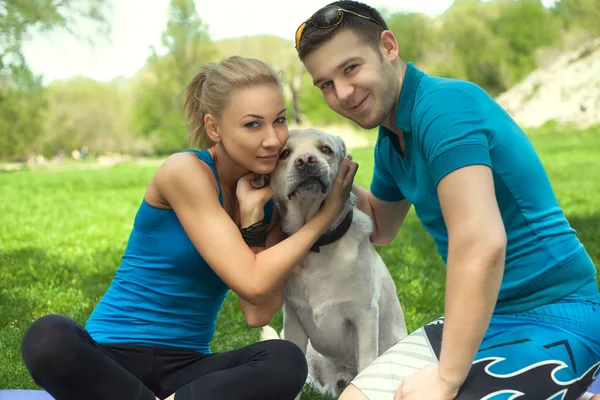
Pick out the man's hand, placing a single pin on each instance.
(426, 384)
(387, 216)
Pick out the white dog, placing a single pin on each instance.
(341, 306)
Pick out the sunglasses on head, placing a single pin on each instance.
(327, 17)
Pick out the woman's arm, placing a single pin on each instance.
(183, 182)
(260, 315)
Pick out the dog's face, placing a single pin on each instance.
(307, 166)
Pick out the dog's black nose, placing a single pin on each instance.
(305, 160)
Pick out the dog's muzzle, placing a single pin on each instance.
(307, 174)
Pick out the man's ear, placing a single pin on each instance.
(389, 45)
(212, 130)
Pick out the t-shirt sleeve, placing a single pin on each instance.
(452, 131)
(383, 185)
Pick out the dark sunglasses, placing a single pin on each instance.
(327, 17)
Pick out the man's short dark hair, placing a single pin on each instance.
(368, 31)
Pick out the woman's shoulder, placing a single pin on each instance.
(188, 162)
(191, 168)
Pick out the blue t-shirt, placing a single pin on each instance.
(163, 294)
(449, 124)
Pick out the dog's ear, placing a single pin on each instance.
(260, 182)
(342, 147)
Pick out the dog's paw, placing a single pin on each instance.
(268, 333)
(340, 385)
(342, 380)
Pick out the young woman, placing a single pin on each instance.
(201, 229)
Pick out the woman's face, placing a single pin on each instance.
(253, 127)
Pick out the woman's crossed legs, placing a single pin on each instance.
(63, 358)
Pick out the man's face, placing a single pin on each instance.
(357, 81)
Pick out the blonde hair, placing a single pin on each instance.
(210, 90)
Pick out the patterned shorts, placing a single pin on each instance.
(551, 352)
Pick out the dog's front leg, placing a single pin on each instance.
(366, 336)
(293, 329)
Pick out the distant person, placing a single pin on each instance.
(76, 154)
(202, 229)
(522, 306)
(83, 152)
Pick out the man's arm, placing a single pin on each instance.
(387, 216)
(475, 265)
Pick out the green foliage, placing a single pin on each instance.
(579, 14)
(280, 54)
(83, 112)
(160, 93)
(19, 18)
(414, 34)
(476, 48)
(493, 43)
(22, 97)
(64, 237)
(22, 101)
(525, 26)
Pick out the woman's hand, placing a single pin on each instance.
(251, 200)
(340, 190)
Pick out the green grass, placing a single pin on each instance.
(62, 234)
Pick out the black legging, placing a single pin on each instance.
(64, 359)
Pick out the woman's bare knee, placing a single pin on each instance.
(352, 393)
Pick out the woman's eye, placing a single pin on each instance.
(281, 120)
(252, 124)
(326, 85)
(284, 154)
(326, 150)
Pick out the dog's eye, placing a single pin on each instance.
(326, 150)
(284, 154)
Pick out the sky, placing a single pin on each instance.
(138, 24)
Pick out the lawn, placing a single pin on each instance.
(62, 234)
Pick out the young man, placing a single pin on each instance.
(522, 306)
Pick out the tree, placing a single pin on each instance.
(526, 26)
(83, 112)
(579, 14)
(22, 101)
(472, 45)
(22, 97)
(158, 107)
(415, 33)
(21, 17)
(281, 55)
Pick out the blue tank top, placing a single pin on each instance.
(163, 294)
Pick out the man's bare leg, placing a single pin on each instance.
(352, 393)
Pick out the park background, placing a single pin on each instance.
(91, 93)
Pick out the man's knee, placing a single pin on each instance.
(352, 393)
